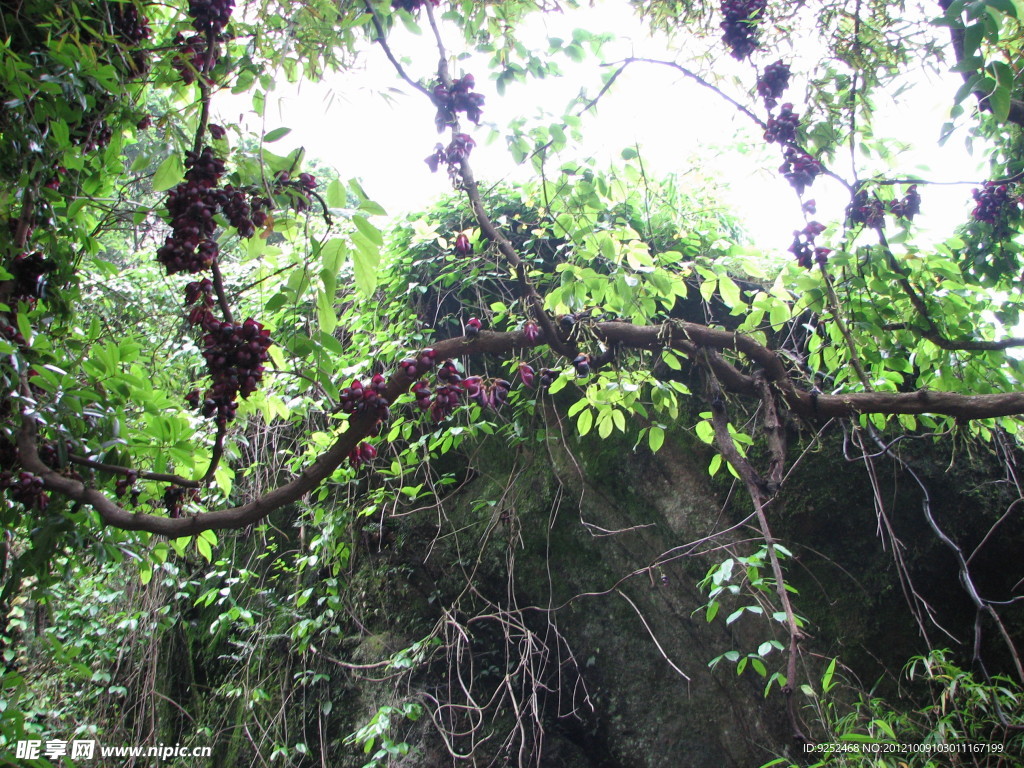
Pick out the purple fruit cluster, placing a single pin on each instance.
(464, 248)
(772, 83)
(198, 54)
(362, 454)
(803, 248)
(870, 211)
(127, 24)
(443, 398)
(545, 376)
(235, 354)
(457, 99)
(799, 168)
(739, 25)
(582, 365)
(131, 28)
(358, 398)
(865, 209)
(488, 394)
(125, 486)
(782, 127)
(192, 206)
(195, 56)
(996, 203)
(49, 454)
(908, 206)
(9, 333)
(25, 488)
(176, 497)
(416, 366)
(297, 191)
(209, 17)
(452, 155)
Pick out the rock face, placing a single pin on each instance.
(559, 585)
(566, 583)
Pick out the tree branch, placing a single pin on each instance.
(688, 338)
(761, 493)
(956, 34)
(382, 39)
(932, 332)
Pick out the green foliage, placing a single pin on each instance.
(377, 733)
(965, 721)
(96, 353)
(743, 580)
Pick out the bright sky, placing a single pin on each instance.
(348, 123)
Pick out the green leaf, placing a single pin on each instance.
(826, 678)
(277, 133)
(715, 464)
(365, 260)
(24, 327)
(369, 231)
(336, 194)
(730, 291)
(224, 476)
(325, 312)
(209, 541)
(705, 432)
(999, 99)
(585, 421)
(655, 438)
(619, 420)
(885, 728)
(204, 549)
(168, 173)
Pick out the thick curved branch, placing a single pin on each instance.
(691, 339)
(956, 34)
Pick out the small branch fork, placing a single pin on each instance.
(931, 330)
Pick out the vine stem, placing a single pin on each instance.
(932, 332)
(981, 605)
(472, 189)
(761, 492)
(833, 304)
(382, 40)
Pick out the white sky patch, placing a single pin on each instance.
(369, 124)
